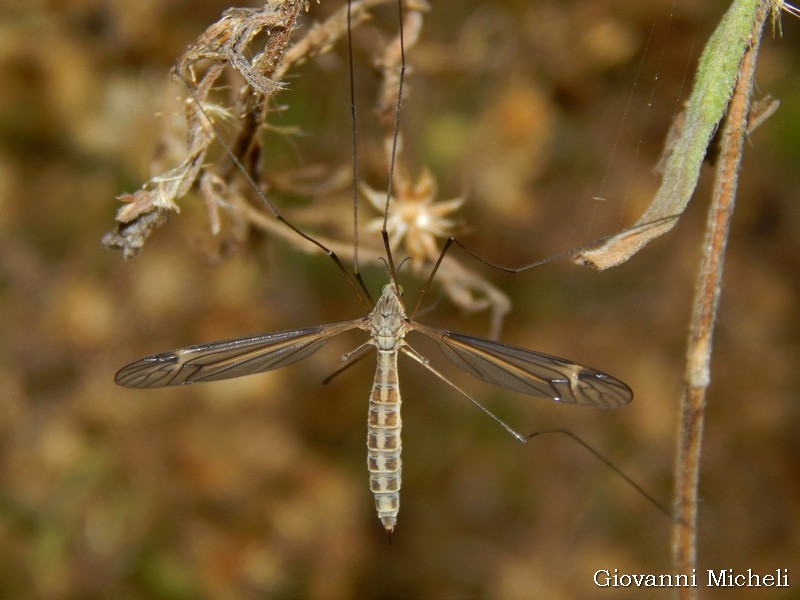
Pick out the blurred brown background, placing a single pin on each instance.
(257, 487)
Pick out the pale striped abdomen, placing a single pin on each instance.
(383, 440)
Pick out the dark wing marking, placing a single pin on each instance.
(228, 358)
(529, 372)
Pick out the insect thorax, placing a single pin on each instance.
(388, 322)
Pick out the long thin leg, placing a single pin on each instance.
(356, 268)
(409, 351)
(609, 464)
(359, 289)
(514, 270)
(393, 157)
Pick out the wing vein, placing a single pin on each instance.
(229, 358)
(529, 372)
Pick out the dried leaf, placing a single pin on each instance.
(712, 90)
(130, 237)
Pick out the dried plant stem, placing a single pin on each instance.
(706, 300)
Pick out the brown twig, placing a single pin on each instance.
(706, 300)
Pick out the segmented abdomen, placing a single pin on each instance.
(383, 440)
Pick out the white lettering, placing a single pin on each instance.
(716, 578)
(727, 578)
(714, 581)
(605, 579)
(683, 580)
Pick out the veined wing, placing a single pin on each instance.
(229, 358)
(529, 372)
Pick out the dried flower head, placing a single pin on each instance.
(416, 216)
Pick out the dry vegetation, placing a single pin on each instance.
(257, 487)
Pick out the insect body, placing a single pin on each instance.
(388, 327)
(507, 366)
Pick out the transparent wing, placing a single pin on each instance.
(529, 372)
(228, 358)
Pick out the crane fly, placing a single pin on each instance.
(510, 367)
(387, 324)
